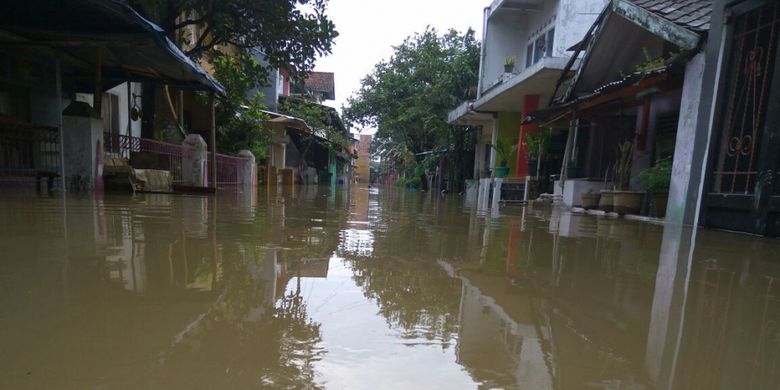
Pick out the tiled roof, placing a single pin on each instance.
(321, 82)
(691, 14)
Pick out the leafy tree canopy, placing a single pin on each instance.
(407, 98)
(291, 33)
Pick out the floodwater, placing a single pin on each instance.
(374, 289)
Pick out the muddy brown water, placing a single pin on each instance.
(374, 289)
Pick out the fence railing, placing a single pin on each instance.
(151, 154)
(229, 169)
(28, 151)
(146, 153)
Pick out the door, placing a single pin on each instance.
(743, 181)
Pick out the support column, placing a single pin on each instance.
(195, 161)
(248, 170)
(530, 104)
(690, 150)
(213, 141)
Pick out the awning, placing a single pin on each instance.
(130, 47)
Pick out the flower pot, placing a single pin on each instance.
(590, 200)
(509, 68)
(658, 203)
(502, 171)
(627, 202)
(605, 200)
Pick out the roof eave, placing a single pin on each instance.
(656, 24)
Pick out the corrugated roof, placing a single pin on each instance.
(691, 14)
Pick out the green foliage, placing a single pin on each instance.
(291, 33)
(504, 150)
(656, 179)
(321, 118)
(407, 97)
(537, 144)
(414, 181)
(510, 61)
(240, 118)
(623, 163)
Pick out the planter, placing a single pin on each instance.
(502, 171)
(572, 172)
(590, 200)
(658, 203)
(509, 68)
(533, 166)
(627, 202)
(605, 201)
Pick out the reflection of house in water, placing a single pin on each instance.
(501, 346)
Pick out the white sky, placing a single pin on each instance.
(368, 30)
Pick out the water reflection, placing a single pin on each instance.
(381, 289)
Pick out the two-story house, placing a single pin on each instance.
(526, 45)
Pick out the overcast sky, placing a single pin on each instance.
(368, 30)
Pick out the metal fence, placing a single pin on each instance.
(28, 152)
(151, 154)
(146, 153)
(229, 169)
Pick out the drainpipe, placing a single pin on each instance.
(482, 50)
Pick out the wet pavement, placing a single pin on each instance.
(374, 289)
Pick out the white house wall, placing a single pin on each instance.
(508, 33)
(504, 39)
(572, 22)
(121, 92)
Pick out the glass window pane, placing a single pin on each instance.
(529, 55)
(550, 40)
(539, 49)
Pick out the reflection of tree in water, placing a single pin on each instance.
(245, 339)
(412, 295)
(401, 275)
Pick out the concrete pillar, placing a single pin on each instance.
(496, 193)
(530, 104)
(248, 170)
(690, 150)
(195, 161)
(82, 147)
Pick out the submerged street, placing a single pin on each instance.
(372, 288)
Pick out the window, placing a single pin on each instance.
(550, 40)
(539, 48)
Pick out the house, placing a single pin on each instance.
(364, 159)
(728, 175)
(53, 58)
(525, 47)
(304, 152)
(639, 95)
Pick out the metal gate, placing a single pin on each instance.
(742, 183)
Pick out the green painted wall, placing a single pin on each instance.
(508, 130)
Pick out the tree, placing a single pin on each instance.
(291, 33)
(240, 117)
(407, 98)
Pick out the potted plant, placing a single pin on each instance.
(504, 152)
(624, 200)
(590, 200)
(509, 64)
(656, 180)
(536, 145)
